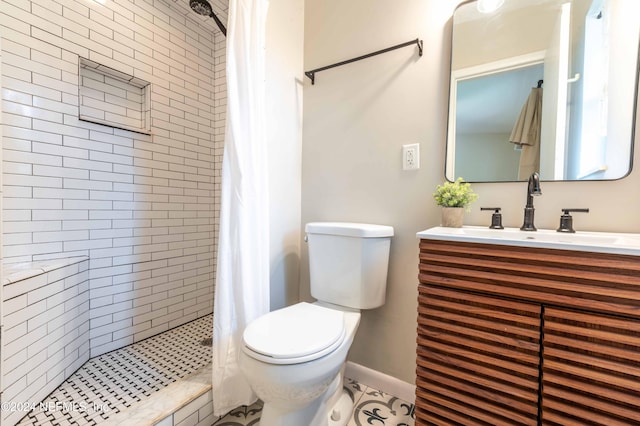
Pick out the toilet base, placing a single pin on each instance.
(340, 413)
(332, 408)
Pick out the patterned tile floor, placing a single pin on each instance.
(372, 407)
(110, 383)
(114, 381)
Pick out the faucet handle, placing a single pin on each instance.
(496, 217)
(566, 220)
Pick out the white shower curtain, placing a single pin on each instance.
(242, 279)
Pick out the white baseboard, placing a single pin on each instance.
(380, 381)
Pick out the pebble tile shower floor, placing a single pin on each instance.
(113, 382)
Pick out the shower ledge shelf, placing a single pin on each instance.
(14, 272)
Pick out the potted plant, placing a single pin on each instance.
(454, 198)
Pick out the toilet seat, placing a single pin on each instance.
(295, 334)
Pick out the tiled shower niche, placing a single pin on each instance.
(113, 98)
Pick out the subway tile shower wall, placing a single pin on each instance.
(143, 208)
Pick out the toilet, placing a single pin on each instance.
(294, 357)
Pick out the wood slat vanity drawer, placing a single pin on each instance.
(594, 281)
(477, 358)
(590, 368)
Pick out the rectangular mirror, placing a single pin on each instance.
(543, 85)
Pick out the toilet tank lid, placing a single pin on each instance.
(350, 229)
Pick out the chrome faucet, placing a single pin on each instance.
(533, 188)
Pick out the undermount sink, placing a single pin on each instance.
(605, 242)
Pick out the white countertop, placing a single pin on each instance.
(600, 242)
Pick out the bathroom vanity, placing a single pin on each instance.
(528, 328)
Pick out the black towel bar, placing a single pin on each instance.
(312, 74)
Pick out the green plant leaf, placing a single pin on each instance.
(455, 194)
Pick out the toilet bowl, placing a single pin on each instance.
(294, 357)
(299, 377)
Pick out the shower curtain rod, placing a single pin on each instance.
(312, 74)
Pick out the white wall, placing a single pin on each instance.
(531, 25)
(284, 73)
(140, 206)
(486, 157)
(357, 117)
(622, 68)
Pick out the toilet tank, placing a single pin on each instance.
(348, 263)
